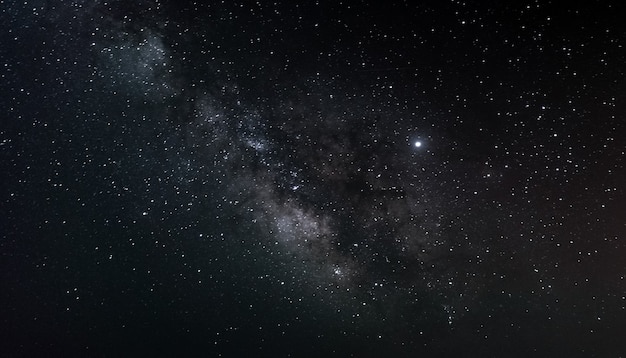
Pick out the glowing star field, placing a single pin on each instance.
(320, 179)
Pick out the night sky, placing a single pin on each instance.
(312, 179)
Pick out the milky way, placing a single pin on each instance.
(338, 192)
(324, 179)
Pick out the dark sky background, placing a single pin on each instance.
(312, 179)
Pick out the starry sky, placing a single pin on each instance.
(315, 178)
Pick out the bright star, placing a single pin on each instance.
(418, 144)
